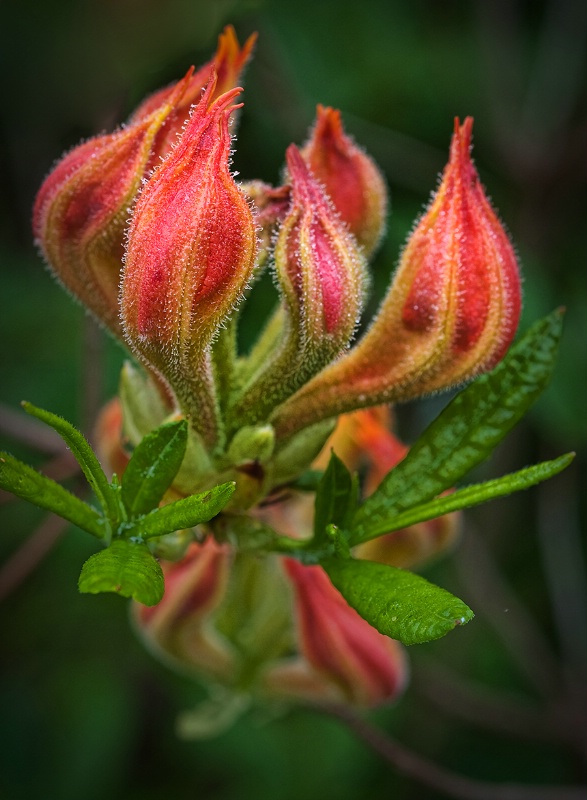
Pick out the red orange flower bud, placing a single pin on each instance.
(81, 210)
(350, 177)
(321, 273)
(451, 312)
(369, 668)
(190, 252)
(228, 63)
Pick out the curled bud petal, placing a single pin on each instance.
(81, 210)
(351, 178)
(369, 668)
(322, 276)
(191, 250)
(365, 442)
(194, 588)
(451, 312)
(228, 63)
(413, 546)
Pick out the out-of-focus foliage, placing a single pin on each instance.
(85, 711)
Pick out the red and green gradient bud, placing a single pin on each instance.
(82, 208)
(191, 250)
(322, 275)
(228, 63)
(367, 667)
(351, 178)
(451, 312)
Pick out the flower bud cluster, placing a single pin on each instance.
(149, 229)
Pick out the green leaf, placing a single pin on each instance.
(469, 496)
(185, 513)
(85, 456)
(308, 481)
(153, 466)
(127, 568)
(27, 483)
(468, 429)
(336, 498)
(396, 602)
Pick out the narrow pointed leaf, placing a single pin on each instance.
(469, 496)
(398, 603)
(185, 513)
(153, 466)
(468, 429)
(85, 456)
(336, 498)
(126, 568)
(28, 484)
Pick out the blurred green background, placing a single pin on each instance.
(84, 711)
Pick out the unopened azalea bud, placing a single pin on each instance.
(351, 178)
(451, 312)
(320, 270)
(190, 252)
(82, 207)
(368, 668)
(194, 588)
(321, 273)
(228, 63)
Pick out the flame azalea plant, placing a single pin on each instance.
(260, 511)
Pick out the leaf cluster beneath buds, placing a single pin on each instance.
(464, 434)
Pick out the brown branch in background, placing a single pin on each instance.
(564, 566)
(485, 707)
(442, 780)
(92, 374)
(487, 589)
(20, 565)
(22, 428)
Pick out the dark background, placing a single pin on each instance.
(84, 711)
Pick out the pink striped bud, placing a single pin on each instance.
(351, 178)
(191, 250)
(82, 207)
(451, 312)
(320, 269)
(322, 275)
(228, 63)
(368, 668)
